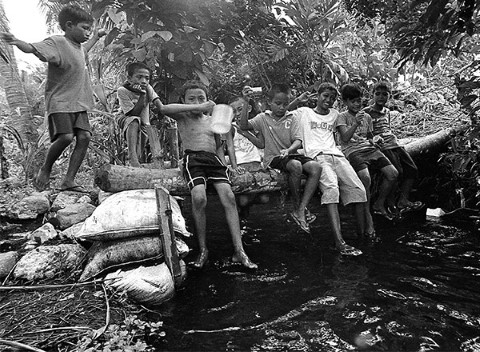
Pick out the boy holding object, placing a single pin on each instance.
(313, 129)
(275, 125)
(68, 91)
(202, 165)
(134, 98)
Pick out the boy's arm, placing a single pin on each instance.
(258, 141)
(347, 133)
(301, 99)
(244, 123)
(172, 109)
(297, 144)
(20, 44)
(97, 34)
(220, 148)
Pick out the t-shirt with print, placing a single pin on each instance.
(127, 100)
(381, 127)
(316, 131)
(245, 151)
(276, 133)
(68, 87)
(359, 140)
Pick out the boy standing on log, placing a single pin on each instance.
(313, 129)
(398, 156)
(275, 125)
(355, 128)
(68, 91)
(202, 166)
(134, 98)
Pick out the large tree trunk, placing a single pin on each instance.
(115, 178)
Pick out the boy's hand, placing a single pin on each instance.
(359, 117)
(138, 87)
(284, 153)
(377, 140)
(8, 37)
(304, 97)
(238, 170)
(207, 106)
(101, 32)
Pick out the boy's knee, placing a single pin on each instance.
(391, 173)
(294, 167)
(65, 138)
(84, 136)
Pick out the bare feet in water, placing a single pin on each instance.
(243, 259)
(201, 259)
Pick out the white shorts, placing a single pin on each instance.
(338, 180)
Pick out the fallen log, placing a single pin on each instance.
(115, 178)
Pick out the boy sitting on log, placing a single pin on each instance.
(134, 98)
(355, 128)
(244, 155)
(398, 156)
(202, 166)
(275, 126)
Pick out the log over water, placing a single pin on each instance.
(115, 178)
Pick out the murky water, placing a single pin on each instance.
(418, 289)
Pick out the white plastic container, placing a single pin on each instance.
(222, 116)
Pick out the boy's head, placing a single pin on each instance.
(239, 103)
(352, 97)
(138, 73)
(76, 23)
(194, 92)
(279, 99)
(327, 94)
(381, 93)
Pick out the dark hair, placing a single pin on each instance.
(351, 91)
(193, 84)
(237, 98)
(279, 88)
(74, 14)
(135, 66)
(382, 85)
(326, 86)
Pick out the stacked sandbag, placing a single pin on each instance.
(151, 285)
(129, 214)
(108, 255)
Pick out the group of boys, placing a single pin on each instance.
(281, 131)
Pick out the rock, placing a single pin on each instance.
(7, 262)
(49, 261)
(102, 195)
(29, 207)
(72, 231)
(66, 198)
(44, 233)
(73, 214)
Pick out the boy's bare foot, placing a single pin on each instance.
(42, 180)
(243, 259)
(201, 259)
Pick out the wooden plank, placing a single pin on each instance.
(170, 253)
(155, 146)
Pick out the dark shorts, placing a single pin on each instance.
(67, 122)
(368, 158)
(402, 161)
(200, 167)
(281, 163)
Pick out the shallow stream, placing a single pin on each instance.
(418, 289)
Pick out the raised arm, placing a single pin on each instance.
(172, 109)
(20, 44)
(244, 124)
(97, 34)
(347, 133)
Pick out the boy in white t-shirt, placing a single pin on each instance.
(313, 129)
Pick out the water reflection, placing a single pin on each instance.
(415, 290)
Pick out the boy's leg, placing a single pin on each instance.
(132, 142)
(387, 185)
(227, 198)
(56, 149)
(199, 203)
(334, 217)
(294, 169)
(364, 225)
(76, 159)
(244, 206)
(312, 169)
